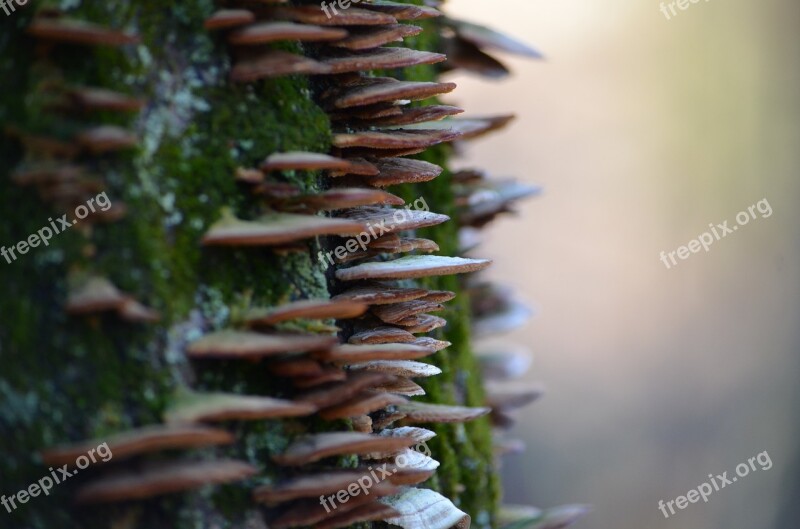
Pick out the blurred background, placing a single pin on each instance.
(643, 131)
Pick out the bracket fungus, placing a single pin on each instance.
(163, 479)
(268, 134)
(143, 440)
(215, 407)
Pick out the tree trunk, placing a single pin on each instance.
(72, 377)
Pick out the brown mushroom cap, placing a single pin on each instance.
(375, 36)
(403, 245)
(436, 345)
(298, 160)
(374, 293)
(379, 59)
(94, 294)
(352, 16)
(345, 198)
(362, 404)
(199, 407)
(141, 441)
(164, 479)
(310, 309)
(275, 63)
(319, 446)
(229, 18)
(339, 392)
(385, 242)
(400, 368)
(411, 115)
(438, 296)
(275, 229)
(395, 171)
(246, 344)
(364, 115)
(383, 335)
(267, 32)
(106, 138)
(389, 90)
(100, 99)
(412, 267)
(349, 353)
(419, 412)
(308, 486)
(402, 386)
(79, 32)
(391, 139)
(466, 128)
(358, 166)
(422, 323)
(254, 176)
(395, 220)
(400, 311)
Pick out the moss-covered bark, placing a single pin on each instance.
(67, 378)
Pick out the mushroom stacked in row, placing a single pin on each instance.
(63, 162)
(369, 379)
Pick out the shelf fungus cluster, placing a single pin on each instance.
(350, 367)
(66, 157)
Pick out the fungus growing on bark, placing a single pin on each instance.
(374, 293)
(229, 18)
(426, 509)
(418, 412)
(319, 446)
(141, 441)
(215, 407)
(291, 201)
(78, 32)
(381, 335)
(412, 267)
(163, 479)
(350, 353)
(308, 308)
(267, 32)
(277, 228)
(400, 368)
(248, 344)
